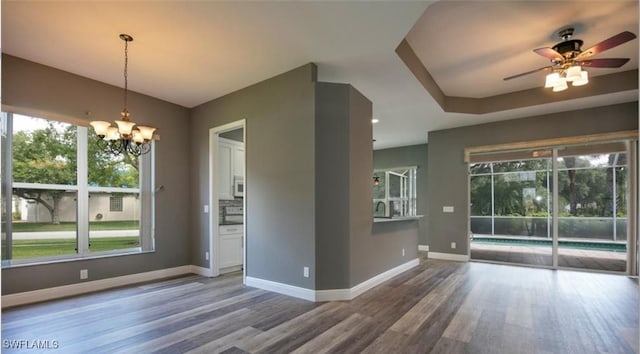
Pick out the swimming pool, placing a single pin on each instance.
(577, 244)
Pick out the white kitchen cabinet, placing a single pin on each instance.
(230, 166)
(238, 161)
(231, 246)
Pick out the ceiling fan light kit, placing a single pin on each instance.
(568, 59)
(573, 74)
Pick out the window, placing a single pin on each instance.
(514, 198)
(394, 193)
(115, 203)
(64, 198)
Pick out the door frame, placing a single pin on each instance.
(214, 236)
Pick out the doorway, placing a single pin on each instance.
(227, 195)
(560, 207)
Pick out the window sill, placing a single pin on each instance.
(8, 264)
(397, 218)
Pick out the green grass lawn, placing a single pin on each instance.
(71, 226)
(51, 247)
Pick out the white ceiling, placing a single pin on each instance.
(189, 52)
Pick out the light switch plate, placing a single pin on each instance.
(447, 209)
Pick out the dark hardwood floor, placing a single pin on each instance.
(437, 307)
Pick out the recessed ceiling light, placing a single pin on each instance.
(374, 120)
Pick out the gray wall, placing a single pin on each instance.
(414, 155)
(332, 186)
(280, 175)
(350, 249)
(33, 86)
(375, 248)
(447, 183)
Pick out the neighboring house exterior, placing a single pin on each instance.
(102, 207)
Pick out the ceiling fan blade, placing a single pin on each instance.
(604, 63)
(609, 43)
(549, 53)
(527, 73)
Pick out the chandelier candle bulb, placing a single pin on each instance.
(100, 127)
(112, 134)
(125, 127)
(136, 136)
(147, 132)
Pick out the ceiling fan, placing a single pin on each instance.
(568, 58)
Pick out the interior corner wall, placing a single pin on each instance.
(28, 85)
(375, 247)
(414, 155)
(280, 182)
(332, 187)
(447, 179)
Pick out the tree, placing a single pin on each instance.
(46, 156)
(49, 156)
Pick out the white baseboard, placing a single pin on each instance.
(230, 269)
(280, 288)
(423, 248)
(332, 294)
(29, 297)
(57, 292)
(449, 256)
(382, 277)
(205, 272)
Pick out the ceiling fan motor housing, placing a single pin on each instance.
(569, 49)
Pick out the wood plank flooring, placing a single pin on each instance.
(437, 307)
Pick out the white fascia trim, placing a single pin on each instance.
(333, 294)
(280, 288)
(423, 248)
(57, 292)
(449, 256)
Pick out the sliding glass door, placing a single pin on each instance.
(509, 207)
(592, 198)
(512, 197)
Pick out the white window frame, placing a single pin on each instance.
(408, 194)
(146, 191)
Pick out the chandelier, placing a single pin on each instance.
(125, 136)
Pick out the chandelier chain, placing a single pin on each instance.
(126, 81)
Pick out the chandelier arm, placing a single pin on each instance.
(102, 144)
(145, 147)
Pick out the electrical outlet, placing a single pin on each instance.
(206, 209)
(305, 272)
(453, 245)
(84, 273)
(206, 256)
(403, 252)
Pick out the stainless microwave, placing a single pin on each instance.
(238, 186)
